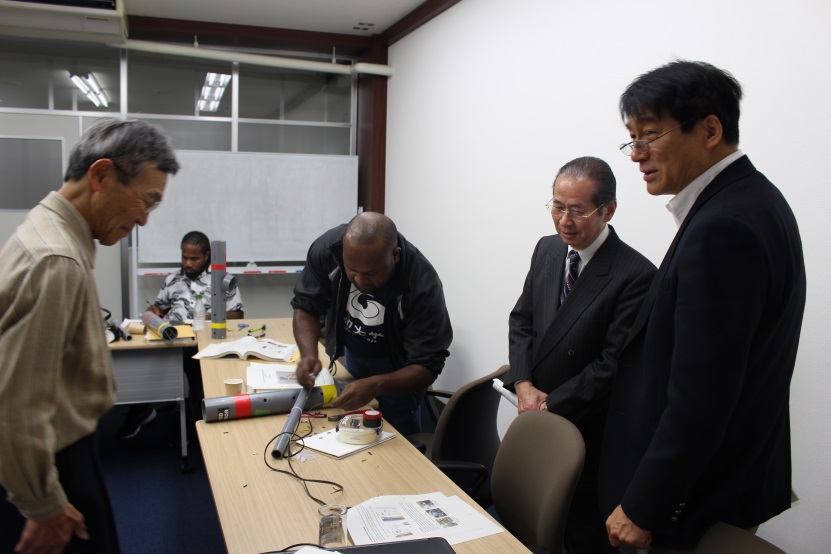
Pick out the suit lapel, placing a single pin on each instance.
(733, 172)
(593, 279)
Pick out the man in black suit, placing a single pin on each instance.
(563, 346)
(698, 428)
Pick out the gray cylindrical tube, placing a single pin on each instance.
(218, 269)
(283, 439)
(162, 327)
(226, 408)
(125, 334)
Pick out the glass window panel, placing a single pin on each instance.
(195, 134)
(293, 139)
(31, 168)
(172, 85)
(36, 74)
(285, 94)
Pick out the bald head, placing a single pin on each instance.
(370, 250)
(370, 228)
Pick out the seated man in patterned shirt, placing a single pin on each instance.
(176, 303)
(177, 299)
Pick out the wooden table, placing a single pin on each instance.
(261, 510)
(147, 372)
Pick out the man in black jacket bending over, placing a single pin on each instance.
(384, 312)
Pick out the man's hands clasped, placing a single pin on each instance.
(530, 397)
(623, 531)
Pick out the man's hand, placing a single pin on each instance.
(156, 310)
(623, 532)
(53, 534)
(359, 392)
(307, 370)
(529, 396)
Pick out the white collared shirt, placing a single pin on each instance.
(587, 253)
(682, 202)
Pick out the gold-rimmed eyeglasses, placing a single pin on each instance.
(150, 203)
(642, 146)
(557, 212)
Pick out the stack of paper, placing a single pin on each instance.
(330, 444)
(261, 377)
(265, 377)
(417, 516)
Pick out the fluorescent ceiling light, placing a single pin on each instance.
(88, 84)
(212, 91)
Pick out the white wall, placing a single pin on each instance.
(492, 97)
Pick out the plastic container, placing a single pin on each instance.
(332, 534)
(362, 428)
(199, 314)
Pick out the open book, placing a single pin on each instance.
(250, 347)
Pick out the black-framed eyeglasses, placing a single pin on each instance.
(642, 146)
(557, 212)
(150, 203)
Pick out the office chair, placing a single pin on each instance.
(534, 477)
(722, 537)
(465, 441)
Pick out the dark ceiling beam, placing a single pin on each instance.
(415, 19)
(244, 36)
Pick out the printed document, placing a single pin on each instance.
(417, 516)
(263, 377)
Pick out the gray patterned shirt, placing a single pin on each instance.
(177, 298)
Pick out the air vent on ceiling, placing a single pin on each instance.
(29, 19)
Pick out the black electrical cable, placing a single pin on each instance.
(292, 472)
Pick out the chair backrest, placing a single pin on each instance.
(722, 537)
(534, 477)
(466, 430)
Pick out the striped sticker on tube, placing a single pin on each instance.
(242, 405)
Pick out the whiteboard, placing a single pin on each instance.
(266, 207)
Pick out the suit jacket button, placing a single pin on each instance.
(674, 519)
(571, 352)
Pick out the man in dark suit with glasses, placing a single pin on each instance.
(698, 429)
(581, 295)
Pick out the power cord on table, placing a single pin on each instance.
(291, 471)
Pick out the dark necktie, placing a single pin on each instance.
(573, 262)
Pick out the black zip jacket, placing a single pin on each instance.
(417, 325)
